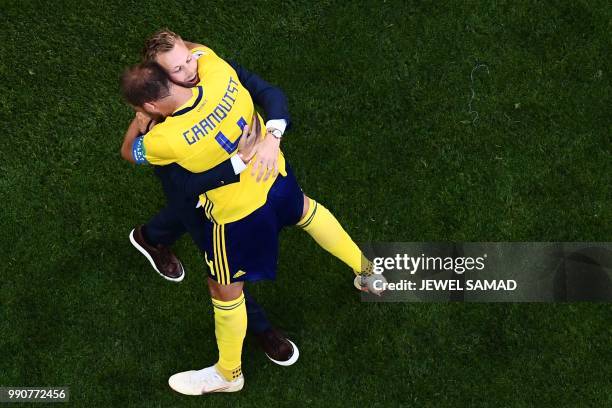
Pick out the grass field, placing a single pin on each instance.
(386, 134)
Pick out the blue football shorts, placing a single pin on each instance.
(247, 249)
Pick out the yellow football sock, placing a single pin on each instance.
(230, 329)
(329, 234)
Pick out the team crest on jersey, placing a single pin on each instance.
(198, 54)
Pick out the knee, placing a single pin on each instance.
(306, 205)
(224, 293)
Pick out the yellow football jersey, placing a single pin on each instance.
(205, 132)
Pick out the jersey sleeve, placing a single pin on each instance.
(153, 148)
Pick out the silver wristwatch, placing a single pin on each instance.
(276, 133)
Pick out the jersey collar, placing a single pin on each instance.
(191, 103)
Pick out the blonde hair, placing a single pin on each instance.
(160, 42)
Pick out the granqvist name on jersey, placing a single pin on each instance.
(470, 284)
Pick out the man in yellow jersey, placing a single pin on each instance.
(202, 128)
(181, 188)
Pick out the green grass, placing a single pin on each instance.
(379, 93)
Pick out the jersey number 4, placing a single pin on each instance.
(225, 143)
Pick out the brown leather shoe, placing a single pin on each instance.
(161, 257)
(278, 348)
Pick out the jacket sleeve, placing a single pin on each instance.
(270, 98)
(191, 185)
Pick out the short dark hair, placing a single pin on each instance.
(145, 82)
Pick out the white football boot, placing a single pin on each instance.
(204, 381)
(366, 283)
